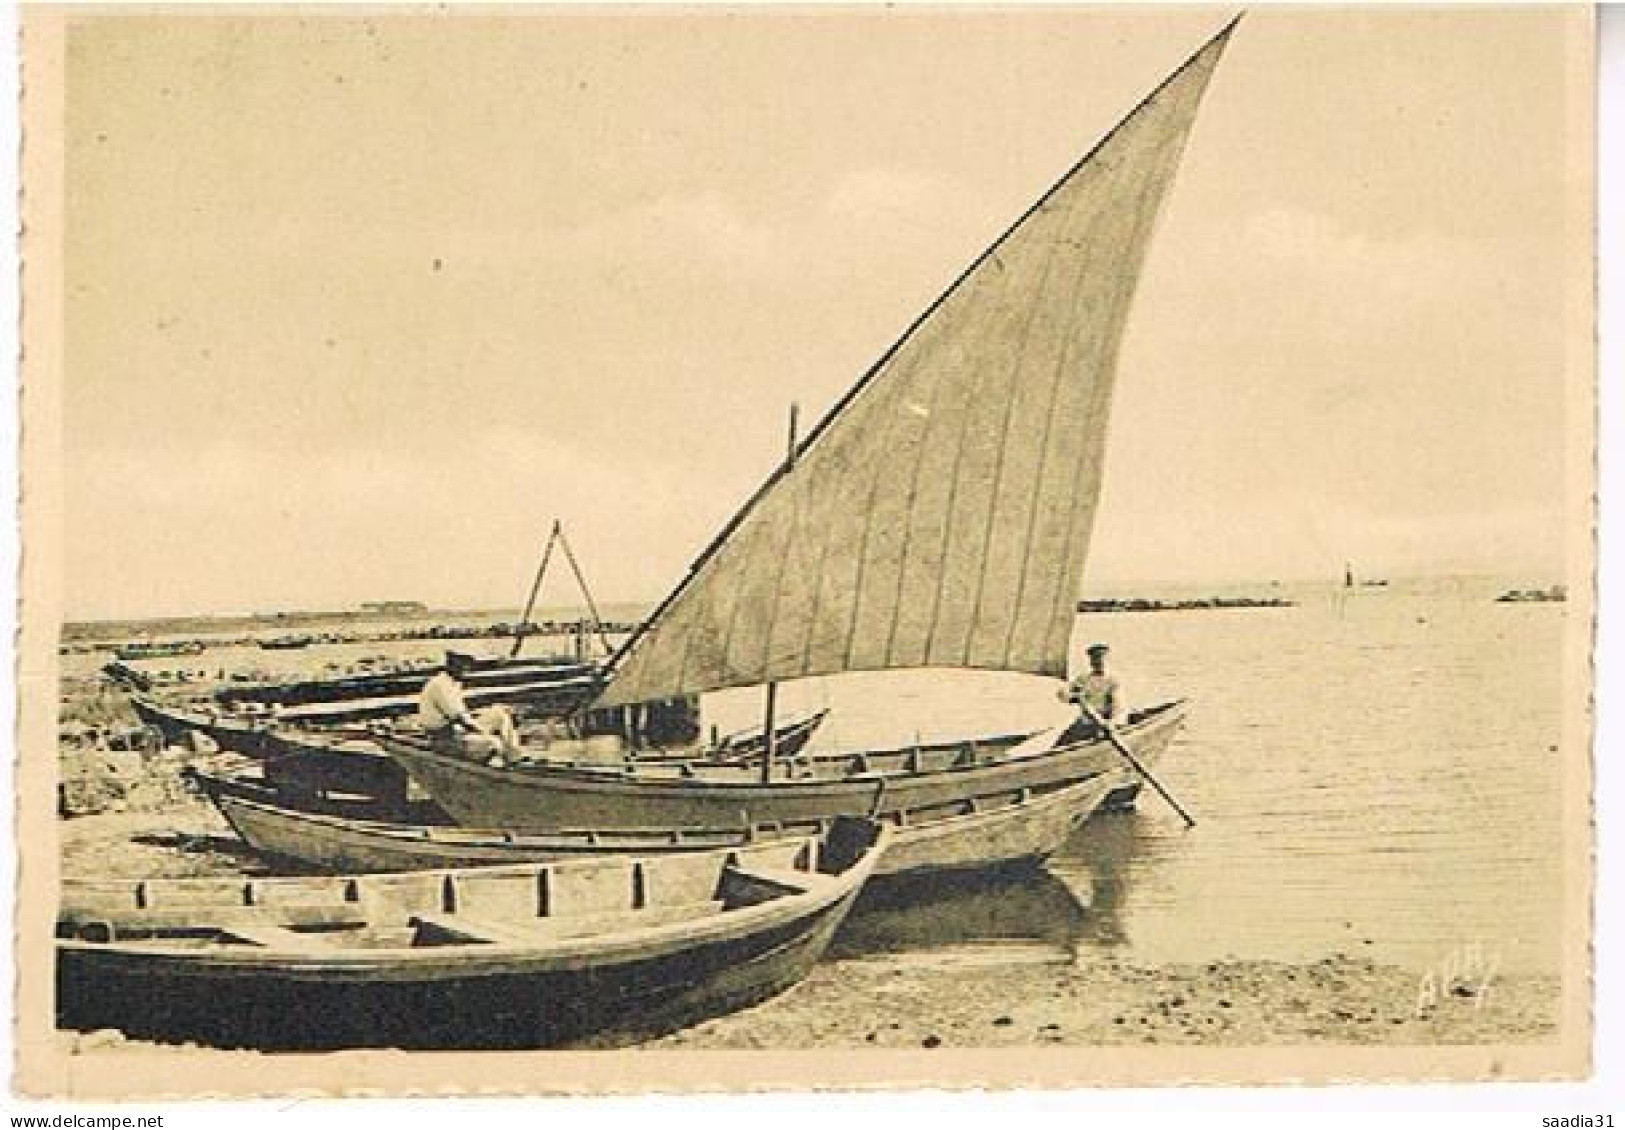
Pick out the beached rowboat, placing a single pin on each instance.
(407, 681)
(350, 760)
(247, 779)
(988, 831)
(176, 721)
(520, 956)
(541, 797)
(239, 729)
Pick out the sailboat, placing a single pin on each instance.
(939, 516)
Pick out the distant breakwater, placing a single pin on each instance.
(147, 649)
(1535, 596)
(1139, 604)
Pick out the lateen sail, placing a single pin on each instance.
(940, 515)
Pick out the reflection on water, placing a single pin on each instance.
(1029, 912)
(1097, 857)
(1054, 914)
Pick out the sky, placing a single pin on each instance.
(357, 305)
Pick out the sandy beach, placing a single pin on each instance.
(1339, 1000)
(183, 839)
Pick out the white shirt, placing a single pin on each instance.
(1100, 693)
(441, 702)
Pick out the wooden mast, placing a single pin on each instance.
(769, 742)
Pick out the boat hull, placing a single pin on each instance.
(486, 673)
(249, 781)
(176, 723)
(621, 987)
(981, 833)
(1019, 834)
(629, 1000)
(351, 761)
(331, 844)
(548, 798)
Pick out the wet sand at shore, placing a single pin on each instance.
(179, 841)
(1338, 1000)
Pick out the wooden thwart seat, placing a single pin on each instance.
(276, 938)
(227, 918)
(781, 880)
(471, 928)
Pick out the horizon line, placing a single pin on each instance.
(356, 610)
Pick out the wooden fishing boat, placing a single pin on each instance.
(347, 756)
(984, 831)
(542, 797)
(287, 643)
(247, 779)
(525, 956)
(350, 761)
(546, 692)
(408, 682)
(177, 721)
(344, 760)
(121, 674)
(162, 649)
(236, 722)
(938, 516)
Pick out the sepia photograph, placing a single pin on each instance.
(604, 548)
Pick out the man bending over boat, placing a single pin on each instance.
(1095, 691)
(488, 736)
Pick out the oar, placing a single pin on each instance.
(1111, 736)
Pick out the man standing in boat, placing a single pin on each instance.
(443, 713)
(1095, 691)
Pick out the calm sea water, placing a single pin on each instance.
(1373, 771)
